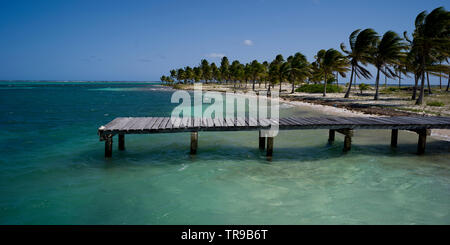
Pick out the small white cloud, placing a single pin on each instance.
(215, 55)
(248, 42)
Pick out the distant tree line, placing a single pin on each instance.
(423, 54)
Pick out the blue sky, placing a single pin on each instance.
(142, 40)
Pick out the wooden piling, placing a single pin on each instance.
(422, 142)
(121, 142)
(394, 138)
(347, 143)
(108, 146)
(269, 146)
(331, 136)
(348, 133)
(262, 141)
(194, 142)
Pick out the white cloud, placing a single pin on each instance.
(248, 42)
(215, 55)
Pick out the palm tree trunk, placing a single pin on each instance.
(422, 89)
(280, 85)
(377, 83)
(385, 78)
(399, 79)
(416, 81)
(254, 81)
(337, 79)
(325, 86)
(448, 84)
(440, 78)
(428, 82)
(347, 94)
(293, 85)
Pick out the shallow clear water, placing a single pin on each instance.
(52, 169)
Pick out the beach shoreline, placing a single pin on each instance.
(330, 106)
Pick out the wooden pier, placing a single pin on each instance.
(343, 125)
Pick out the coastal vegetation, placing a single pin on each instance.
(423, 54)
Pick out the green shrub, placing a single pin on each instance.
(390, 89)
(318, 88)
(363, 86)
(177, 86)
(435, 103)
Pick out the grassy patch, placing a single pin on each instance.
(435, 103)
(318, 88)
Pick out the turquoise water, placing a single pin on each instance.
(52, 169)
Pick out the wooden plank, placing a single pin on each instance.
(140, 125)
(217, 122)
(197, 122)
(150, 123)
(210, 122)
(168, 124)
(157, 123)
(252, 122)
(130, 123)
(184, 122)
(119, 125)
(230, 122)
(115, 122)
(240, 122)
(176, 123)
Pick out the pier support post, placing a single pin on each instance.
(194, 142)
(262, 141)
(331, 136)
(394, 138)
(269, 146)
(121, 142)
(348, 133)
(422, 141)
(347, 143)
(108, 146)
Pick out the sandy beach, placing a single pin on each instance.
(334, 104)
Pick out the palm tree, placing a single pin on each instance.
(360, 46)
(197, 74)
(173, 74)
(180, 75)
(265, 73)
(386, 51)
(330, 61)
(236, 71)
(215, 72)
(206, 70)
(188, 73)
(225, 69)
(255, 70)
(300, 68)
(401, 68)
(430, 39)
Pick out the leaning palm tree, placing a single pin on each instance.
(386, 52)
(430, 38)
(330, 61)
(359, 53)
